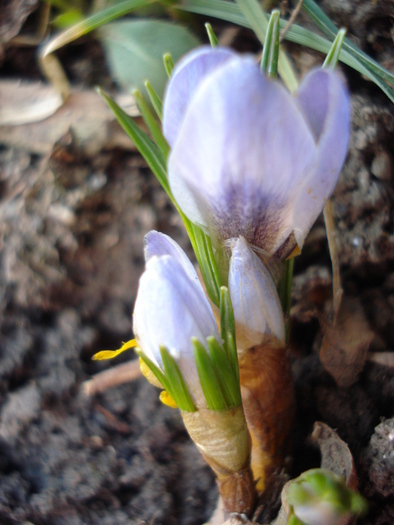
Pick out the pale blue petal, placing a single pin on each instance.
(158, 244)
(169, 310)
(253, 293)
(184, 81)
(242, 152)
(325, 102)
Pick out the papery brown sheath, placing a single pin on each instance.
(269, 404)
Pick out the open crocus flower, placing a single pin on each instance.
(256, 304)
(248, 158)
(171, 309)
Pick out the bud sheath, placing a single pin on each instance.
(222, 438)
(268, 401)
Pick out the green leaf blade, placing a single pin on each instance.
(177, 387)
(350, 54)
(145, 146)
(228, 381)
(270, 57)
(211, 35)
(93, 22)
(155, 99)
(333, 55)
(153, 124)
(209, 382)
(227, 329)
(257, 19)
(134, 50)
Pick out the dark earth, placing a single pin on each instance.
(71, 241)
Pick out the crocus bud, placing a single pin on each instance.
(266, 383)
(159, 244)
(320, 497)
(256, 304)
(248, 158)
(170, 309)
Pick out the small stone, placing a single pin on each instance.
(381, 166)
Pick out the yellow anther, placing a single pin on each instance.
(149, 375)
(110, 354)
(166, 399)
(294, 253)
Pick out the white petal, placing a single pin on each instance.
(255, 300)
(325, 103)
(158, 244)
(183, 83)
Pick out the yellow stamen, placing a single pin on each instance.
(294, 253)
(110, 354)
(149, 375)
(166, 399)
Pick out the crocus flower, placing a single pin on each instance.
(256, 304)
(170, 309)
(248, 158)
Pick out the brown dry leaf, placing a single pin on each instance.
(335, 454)
(346, 342)
(25, 102)
(84, 116)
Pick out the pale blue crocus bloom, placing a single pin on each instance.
(170, 309)
(248, 158)
(256, 304)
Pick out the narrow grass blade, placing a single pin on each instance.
(155, 99)
(153, 124)
(93, 22)
(269, 60)
(211, 35)
(230, 12)
(206, 260)
(333, 55)
(177, 387)
(145, 146)
(257, 18)
(200, 241)
(168, 64)
(328, 27)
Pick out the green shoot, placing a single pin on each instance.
(211, 35)
(333, 55)
(269, 60)
(155, 99)
(152, 123)
(176, 385)
(168, 64)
